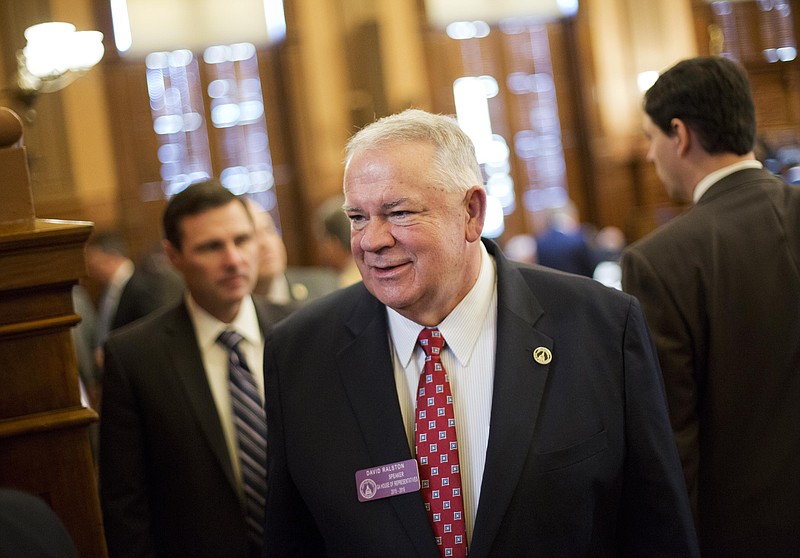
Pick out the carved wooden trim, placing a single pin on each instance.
(48, 421)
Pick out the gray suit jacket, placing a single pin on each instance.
(167, 485)
(580, 462)
(720, 287)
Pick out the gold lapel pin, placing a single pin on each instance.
(542, 355)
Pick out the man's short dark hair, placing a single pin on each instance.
(712, 96)
(109, 242)
(195, 199)
(335, 222)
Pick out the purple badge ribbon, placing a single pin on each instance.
(383, 481)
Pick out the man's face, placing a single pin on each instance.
(99, 265)
(218, 258)
(663, 153)
(409, 237)
(271, 250)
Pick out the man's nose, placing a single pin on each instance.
(375, 235)
(233, 254)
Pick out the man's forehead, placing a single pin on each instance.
(397, 156)
(229, 216)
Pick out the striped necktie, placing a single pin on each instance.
(251, 437)
(437, 450)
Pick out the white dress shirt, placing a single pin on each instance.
(215, 361)
(709, 180)
(470, 332)
(109, 301)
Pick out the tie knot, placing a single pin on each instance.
(431, 341)
(230, 339)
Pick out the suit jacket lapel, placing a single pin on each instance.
(365, 366)
(188, 366)
(518, 387)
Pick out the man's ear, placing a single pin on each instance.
(682, 135)
(172, 253)
(475, 204)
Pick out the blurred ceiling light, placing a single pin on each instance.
(55, 55)
(442, 12)
(145, 26)
(646, 79)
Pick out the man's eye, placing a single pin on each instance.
(357, 222)
(208, 248)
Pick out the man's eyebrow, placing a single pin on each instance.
(209, 244)
(393, 204)
(385, 207)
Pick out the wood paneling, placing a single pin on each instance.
(44, 442)
(311, 87)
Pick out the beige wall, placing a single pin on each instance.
(70, 123)
(320, 90)
(319, 94)
(88, 129)
(404, 64)
(629, 37)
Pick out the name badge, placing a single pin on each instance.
(388, 480)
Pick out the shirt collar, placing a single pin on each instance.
(709, 180)
(207, 327)
(122, 274)
(460, 328)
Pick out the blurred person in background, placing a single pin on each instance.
(335, 241)
(564, 244)
(280, 284)
(522, 248)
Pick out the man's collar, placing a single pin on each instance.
(122, 274)
(710, 179)
(458, 326)
(208, 328)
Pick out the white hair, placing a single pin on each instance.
(455, 167)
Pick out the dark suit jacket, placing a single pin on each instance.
(580, 462)
(166, 482)
(141, 295)
(720, 287)
(568, 252)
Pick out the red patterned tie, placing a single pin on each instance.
(437, 450)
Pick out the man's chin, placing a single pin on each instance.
(392, 296)
(234, 296)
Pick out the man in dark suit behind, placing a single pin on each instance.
(128, 292)
(171, 482)
(29, 528)
(720, 287)
(563, 441)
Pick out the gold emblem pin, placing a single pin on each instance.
(542, 355)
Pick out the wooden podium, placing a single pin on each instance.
(44, 439)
